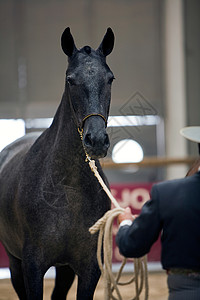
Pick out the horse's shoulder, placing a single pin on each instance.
(20, 146)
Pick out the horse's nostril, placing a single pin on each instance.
(106, 141)
(88, 140)
(96, 141)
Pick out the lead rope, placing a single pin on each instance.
(104, 225)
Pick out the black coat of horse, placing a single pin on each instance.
(48, 195)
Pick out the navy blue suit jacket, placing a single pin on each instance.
(173, 211)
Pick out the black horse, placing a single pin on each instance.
(48, 195)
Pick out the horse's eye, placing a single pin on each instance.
(111, 80)
(71, 80)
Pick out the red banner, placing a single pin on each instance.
(132, 195)
(3, 257)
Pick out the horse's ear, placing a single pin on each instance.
(67, 43)
(107, 44)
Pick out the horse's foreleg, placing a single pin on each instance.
(34, 268)
(17, 276)
(64, 279)
(33, 279)
(87, 282)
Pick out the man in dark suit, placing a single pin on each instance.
(173, 211)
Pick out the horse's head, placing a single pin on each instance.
(88, 84)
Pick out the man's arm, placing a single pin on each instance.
(135, 240)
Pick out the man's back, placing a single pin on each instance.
(173, 211)
(179, 210)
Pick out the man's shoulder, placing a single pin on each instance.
(173, 183)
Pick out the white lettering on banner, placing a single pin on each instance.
(135, 198)
(138, 197)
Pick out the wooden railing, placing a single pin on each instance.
(149, 162)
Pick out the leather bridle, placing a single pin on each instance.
(80, 124)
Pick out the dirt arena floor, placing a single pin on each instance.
(157, 289)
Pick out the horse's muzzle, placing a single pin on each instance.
(96, 145)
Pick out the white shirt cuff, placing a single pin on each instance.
(125, 222)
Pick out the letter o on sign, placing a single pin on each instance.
(138, 197)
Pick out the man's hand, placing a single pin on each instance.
(126, 215)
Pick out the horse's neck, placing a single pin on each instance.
(67, 141)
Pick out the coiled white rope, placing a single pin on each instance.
(104, 226)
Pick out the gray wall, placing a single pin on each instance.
(30, 50)
(192, 31)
